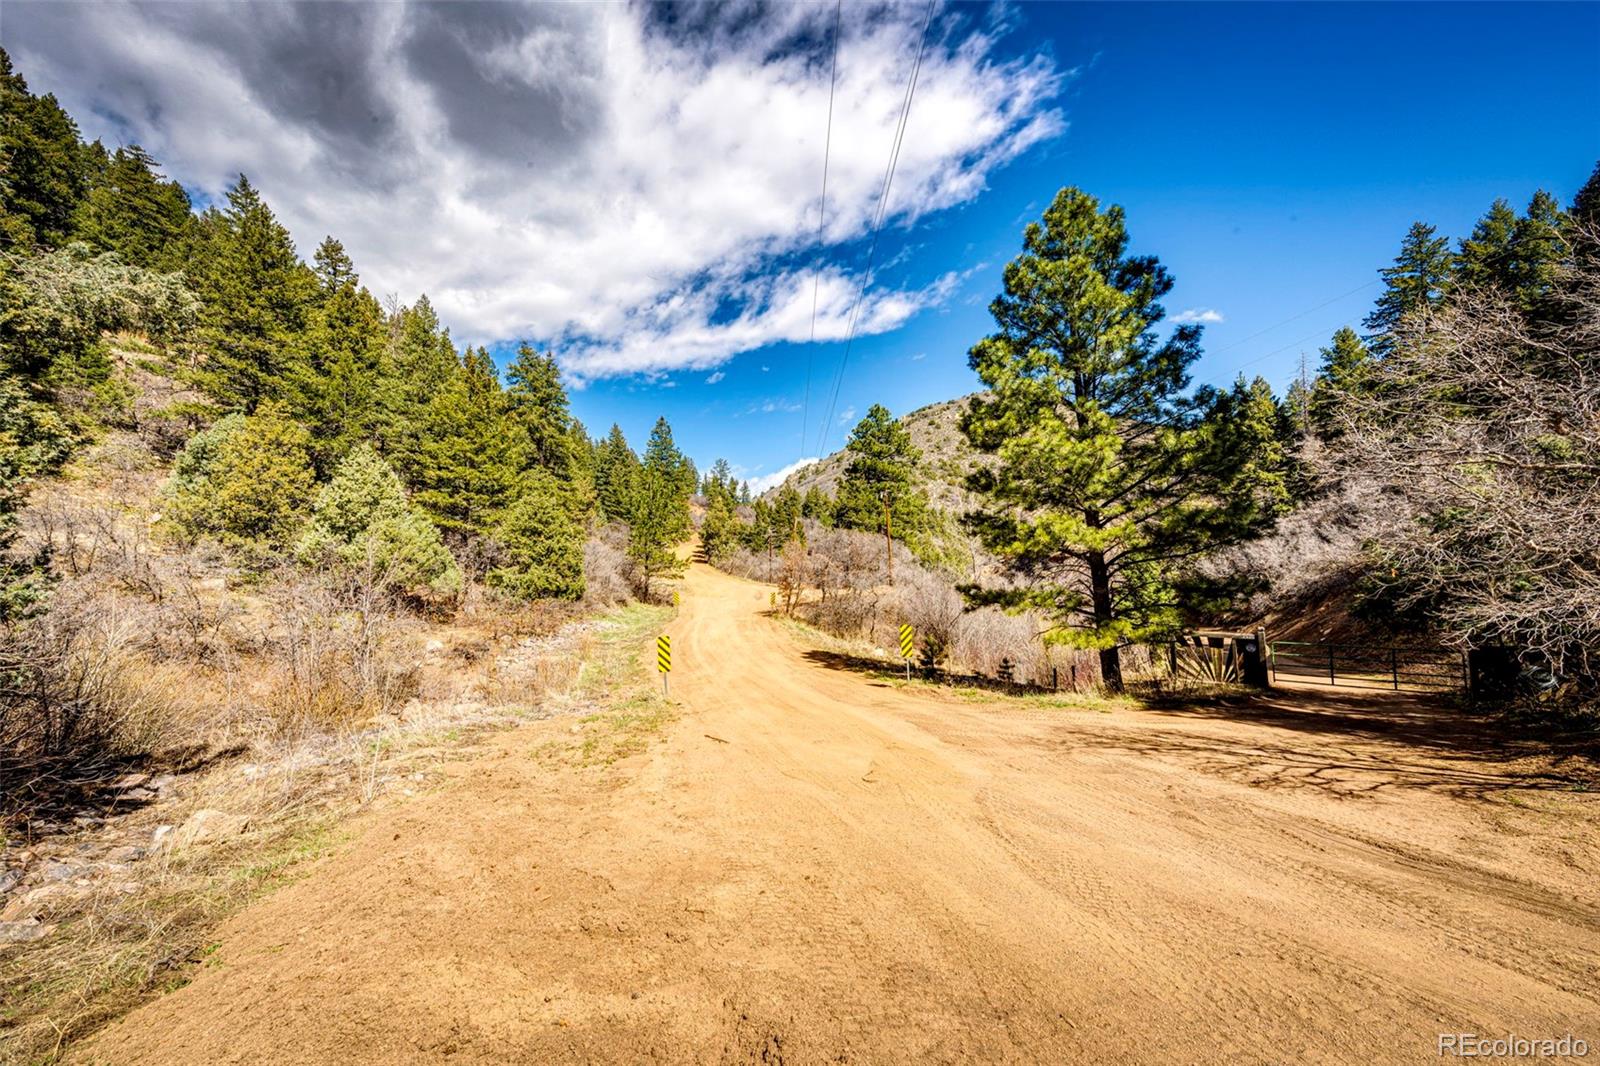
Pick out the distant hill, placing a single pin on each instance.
(947, 458)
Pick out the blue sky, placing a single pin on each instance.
(1272, 156)
(637, 187)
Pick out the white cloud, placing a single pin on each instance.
(768, 407)
(633, 192)
(847, 415)
(761, 484)
(716, 377)
(1206, 315)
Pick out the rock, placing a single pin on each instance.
(45, 898)
(163, 782)
(54, 872)
(25, 931)
(433, 646)
(213, 584)
(207, 826)
(127, 781)
(125, 854)
(9, 879)
(160, 835)
(137, 795)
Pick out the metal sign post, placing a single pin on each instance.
(908, 640)
(664, 663)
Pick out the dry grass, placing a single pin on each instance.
(142, 931)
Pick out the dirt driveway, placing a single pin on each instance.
(814, 866)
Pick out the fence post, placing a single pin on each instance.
(1331, 679)
(1394, 666)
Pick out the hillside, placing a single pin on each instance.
(947, 458)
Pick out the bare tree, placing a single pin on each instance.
(1485, 421)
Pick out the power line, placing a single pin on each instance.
(877, 224)
(822, 215)
(1292, 318)
(1268, 355)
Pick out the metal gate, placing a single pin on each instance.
(1398, 667)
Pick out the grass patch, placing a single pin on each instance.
(615, 676)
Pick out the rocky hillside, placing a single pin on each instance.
(947, 458)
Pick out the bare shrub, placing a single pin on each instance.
(75, 695)
(1486, 422)
(794, 573)
(1314, 550)
(607, 571)
(937, 611)
(337, 656)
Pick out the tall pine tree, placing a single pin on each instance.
(256, 294)
(1420, 277)
(470, 464)
(616, 477)
(1347, 369)
(43, 165)
(660, 519)
(336, 384)
(539, 409)
(1106, 479)
(878, 492)
(130, 210)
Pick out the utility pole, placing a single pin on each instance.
(888, 535)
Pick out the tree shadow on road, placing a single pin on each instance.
(1342, 742)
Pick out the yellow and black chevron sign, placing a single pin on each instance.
(664, 653)
(908, 639)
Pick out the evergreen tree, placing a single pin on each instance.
(336, 385)
(131, 211)
(256, 294)
(471, 462)
(879, 485)
(539, 408)
(720, 482)
(248, 482)
(1347, 369)
(362, 520)
(1420, 276)
(1106, 479)
(1541, 247)
(43, 165)
(1486, 257)
(720, 530)
(1521, 255)
(818, 505)
(420, 361)
(542, 542)
(616, 477)
(1245, 429)
(660, 519)
(786, 508)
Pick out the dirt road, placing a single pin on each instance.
(814, 866)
